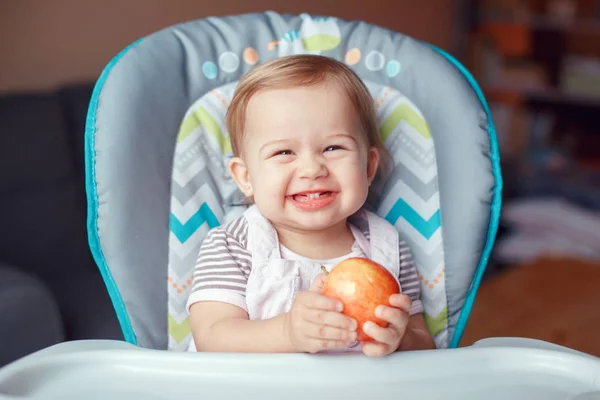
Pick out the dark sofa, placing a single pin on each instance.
(50, 287)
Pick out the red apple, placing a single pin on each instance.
(361, 285)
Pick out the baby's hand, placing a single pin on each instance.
(315, 323)
(387, 340)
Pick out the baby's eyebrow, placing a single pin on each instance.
(344, 135)
(270, 144)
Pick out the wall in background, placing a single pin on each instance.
(47, 43)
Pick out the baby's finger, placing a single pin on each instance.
(401, 301)
(375, 349)
(318, 283)
(323, 344)
(330, 318)
(318, 301)
(395, 316)
(324, 332)
(382, 335)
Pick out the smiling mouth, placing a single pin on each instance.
(308, 197)
(311, 201)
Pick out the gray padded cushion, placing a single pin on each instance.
(146, 94)
(29, 316)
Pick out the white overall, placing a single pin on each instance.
(274, 282)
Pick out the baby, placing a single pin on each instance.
(306, 149)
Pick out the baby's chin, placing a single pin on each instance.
(310, 222)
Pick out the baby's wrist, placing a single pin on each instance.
(287, 334)
(408, 340)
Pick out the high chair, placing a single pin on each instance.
(157, 148)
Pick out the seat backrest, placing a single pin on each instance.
(156, 150)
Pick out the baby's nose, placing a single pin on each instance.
(313, 167)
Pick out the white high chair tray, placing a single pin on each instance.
(491, 369)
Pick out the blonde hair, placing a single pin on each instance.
(303, 70)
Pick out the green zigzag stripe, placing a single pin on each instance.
(406, 113)
(438, 323)
(201, 117)
(187, 126)
(179, 331)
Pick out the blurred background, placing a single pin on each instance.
(537, 61)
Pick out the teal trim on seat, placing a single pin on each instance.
(92, 200)
(495, 207)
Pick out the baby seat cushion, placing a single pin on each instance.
(158, 113)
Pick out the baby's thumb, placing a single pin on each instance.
(318, 283)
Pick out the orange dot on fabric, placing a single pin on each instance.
(178, 290)
(430, 286)
(352, 56)
(170, 279)
(250, 56)
(427, 282)
(175, 285)
(189, 281)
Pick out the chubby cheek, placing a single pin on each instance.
(358, 186)
(270, 184)
(352, 174)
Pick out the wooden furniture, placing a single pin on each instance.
(556, 300)
(538, 62)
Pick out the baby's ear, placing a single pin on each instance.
(239, 173)
(372, 163)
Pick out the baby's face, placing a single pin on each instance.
(308, 163)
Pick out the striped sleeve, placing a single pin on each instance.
(409, 279)
(223, 266)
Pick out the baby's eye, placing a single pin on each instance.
(331, 148)
(282, 153)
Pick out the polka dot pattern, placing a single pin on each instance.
(352, 56)
(393, 68)
(250, 56)
(229, 62)
(209, 69)
(374, 61)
